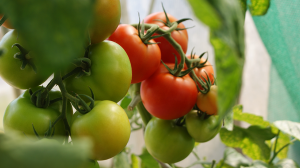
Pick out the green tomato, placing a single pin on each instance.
(110, 73)
(166, 141)
(20, 114)
(108, 127)
(10, 67)
(201, 129)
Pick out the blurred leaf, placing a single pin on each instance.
(259, 7)
(286, 163)
(258, 164)
(228, 42)
(243, 4)
(228, 120)
(147, 160)
(289, 127)
(249, 118)
(283, 139)
(124, 104)
(121, 160)
(135, 161)
(196, 144)
(234, 158)
(206, 13)
(222, 164)
(18, 152)
(250, 140)
(54, 30)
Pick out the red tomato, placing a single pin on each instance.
(201, 71)
(208, 102)
(168, 97)
(180, 36)
(144, 59)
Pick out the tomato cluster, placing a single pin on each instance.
(177, 90)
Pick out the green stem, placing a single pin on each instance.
(136, 100)
(3, 19)
(213, 164)
(275, 154)
(145, 115)
(64, 101)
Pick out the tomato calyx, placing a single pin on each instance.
(24, 56)
(38, 99)
(48, 134)
(177, 71)
(148, 36)
(170, 24)
(80, 105)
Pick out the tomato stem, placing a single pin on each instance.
(3, 19)
(135, 100)
(134, 90)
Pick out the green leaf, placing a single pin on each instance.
(206, 13)
(234, 158)
(20, 152)
(135, 161)
(258, 164)
(228, 120)
(222, 164)
(124, 104)
(289, 127)
(147, 160)
(259, 7)
(250, 140)
(283, 139)
(121, 160)
(249, 118)
(59, 25)
(286, 163)
(243, 4)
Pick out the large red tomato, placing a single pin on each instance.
(200, 72)
(144, 58)
(168, 97)
(180, 36)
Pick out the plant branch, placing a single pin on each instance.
(274, 156)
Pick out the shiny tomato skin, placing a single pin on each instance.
(108, 127)
(144, 59)
(166, 96)
(20, 114)
(110, 73)
(180, 36)
(201, 129)
(6, 23)
(10, 67)
(166, 141)
(106, 18)
(208, 102)
(201, 71)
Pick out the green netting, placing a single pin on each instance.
(280, 31)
